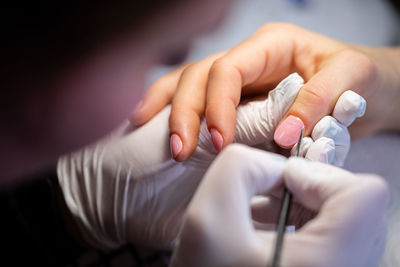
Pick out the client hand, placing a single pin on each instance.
(126, 188)
(214, 86)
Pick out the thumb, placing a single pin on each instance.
(318, 97)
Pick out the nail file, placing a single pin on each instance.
(283, 216)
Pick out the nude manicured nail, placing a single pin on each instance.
(135, 115)
(138, 107)
(175, 145)
(217, 139)
(288, 132)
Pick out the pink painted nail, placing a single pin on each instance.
(138, 107)
(217, 139)
(135, 118)
(175, 145)
(288, 132)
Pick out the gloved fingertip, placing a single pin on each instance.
(323, 150)
(288, 131)
(349, 106)
(306, 142)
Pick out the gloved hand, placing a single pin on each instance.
(126, 188)
(349, 229)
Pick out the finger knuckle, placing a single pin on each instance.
(190, 70)
(312, 96)
(364, 63)
(280, 26)
(220, 65)
(225, 67)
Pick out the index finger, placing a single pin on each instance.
(263, 58)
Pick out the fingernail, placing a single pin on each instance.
(288, 132)
(135, 118)
(138, 107)
(175, 145)
(217, 139)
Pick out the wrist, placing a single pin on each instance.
(386, 96)
(392, 123)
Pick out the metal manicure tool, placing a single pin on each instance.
(283, 216)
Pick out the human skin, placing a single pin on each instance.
(91, 97)
(213, 86)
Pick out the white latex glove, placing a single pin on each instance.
(127, 188)
(330, 139)
(349, 229)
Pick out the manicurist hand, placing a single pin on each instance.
(348, 230)
(126, 188)
(214, 86)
